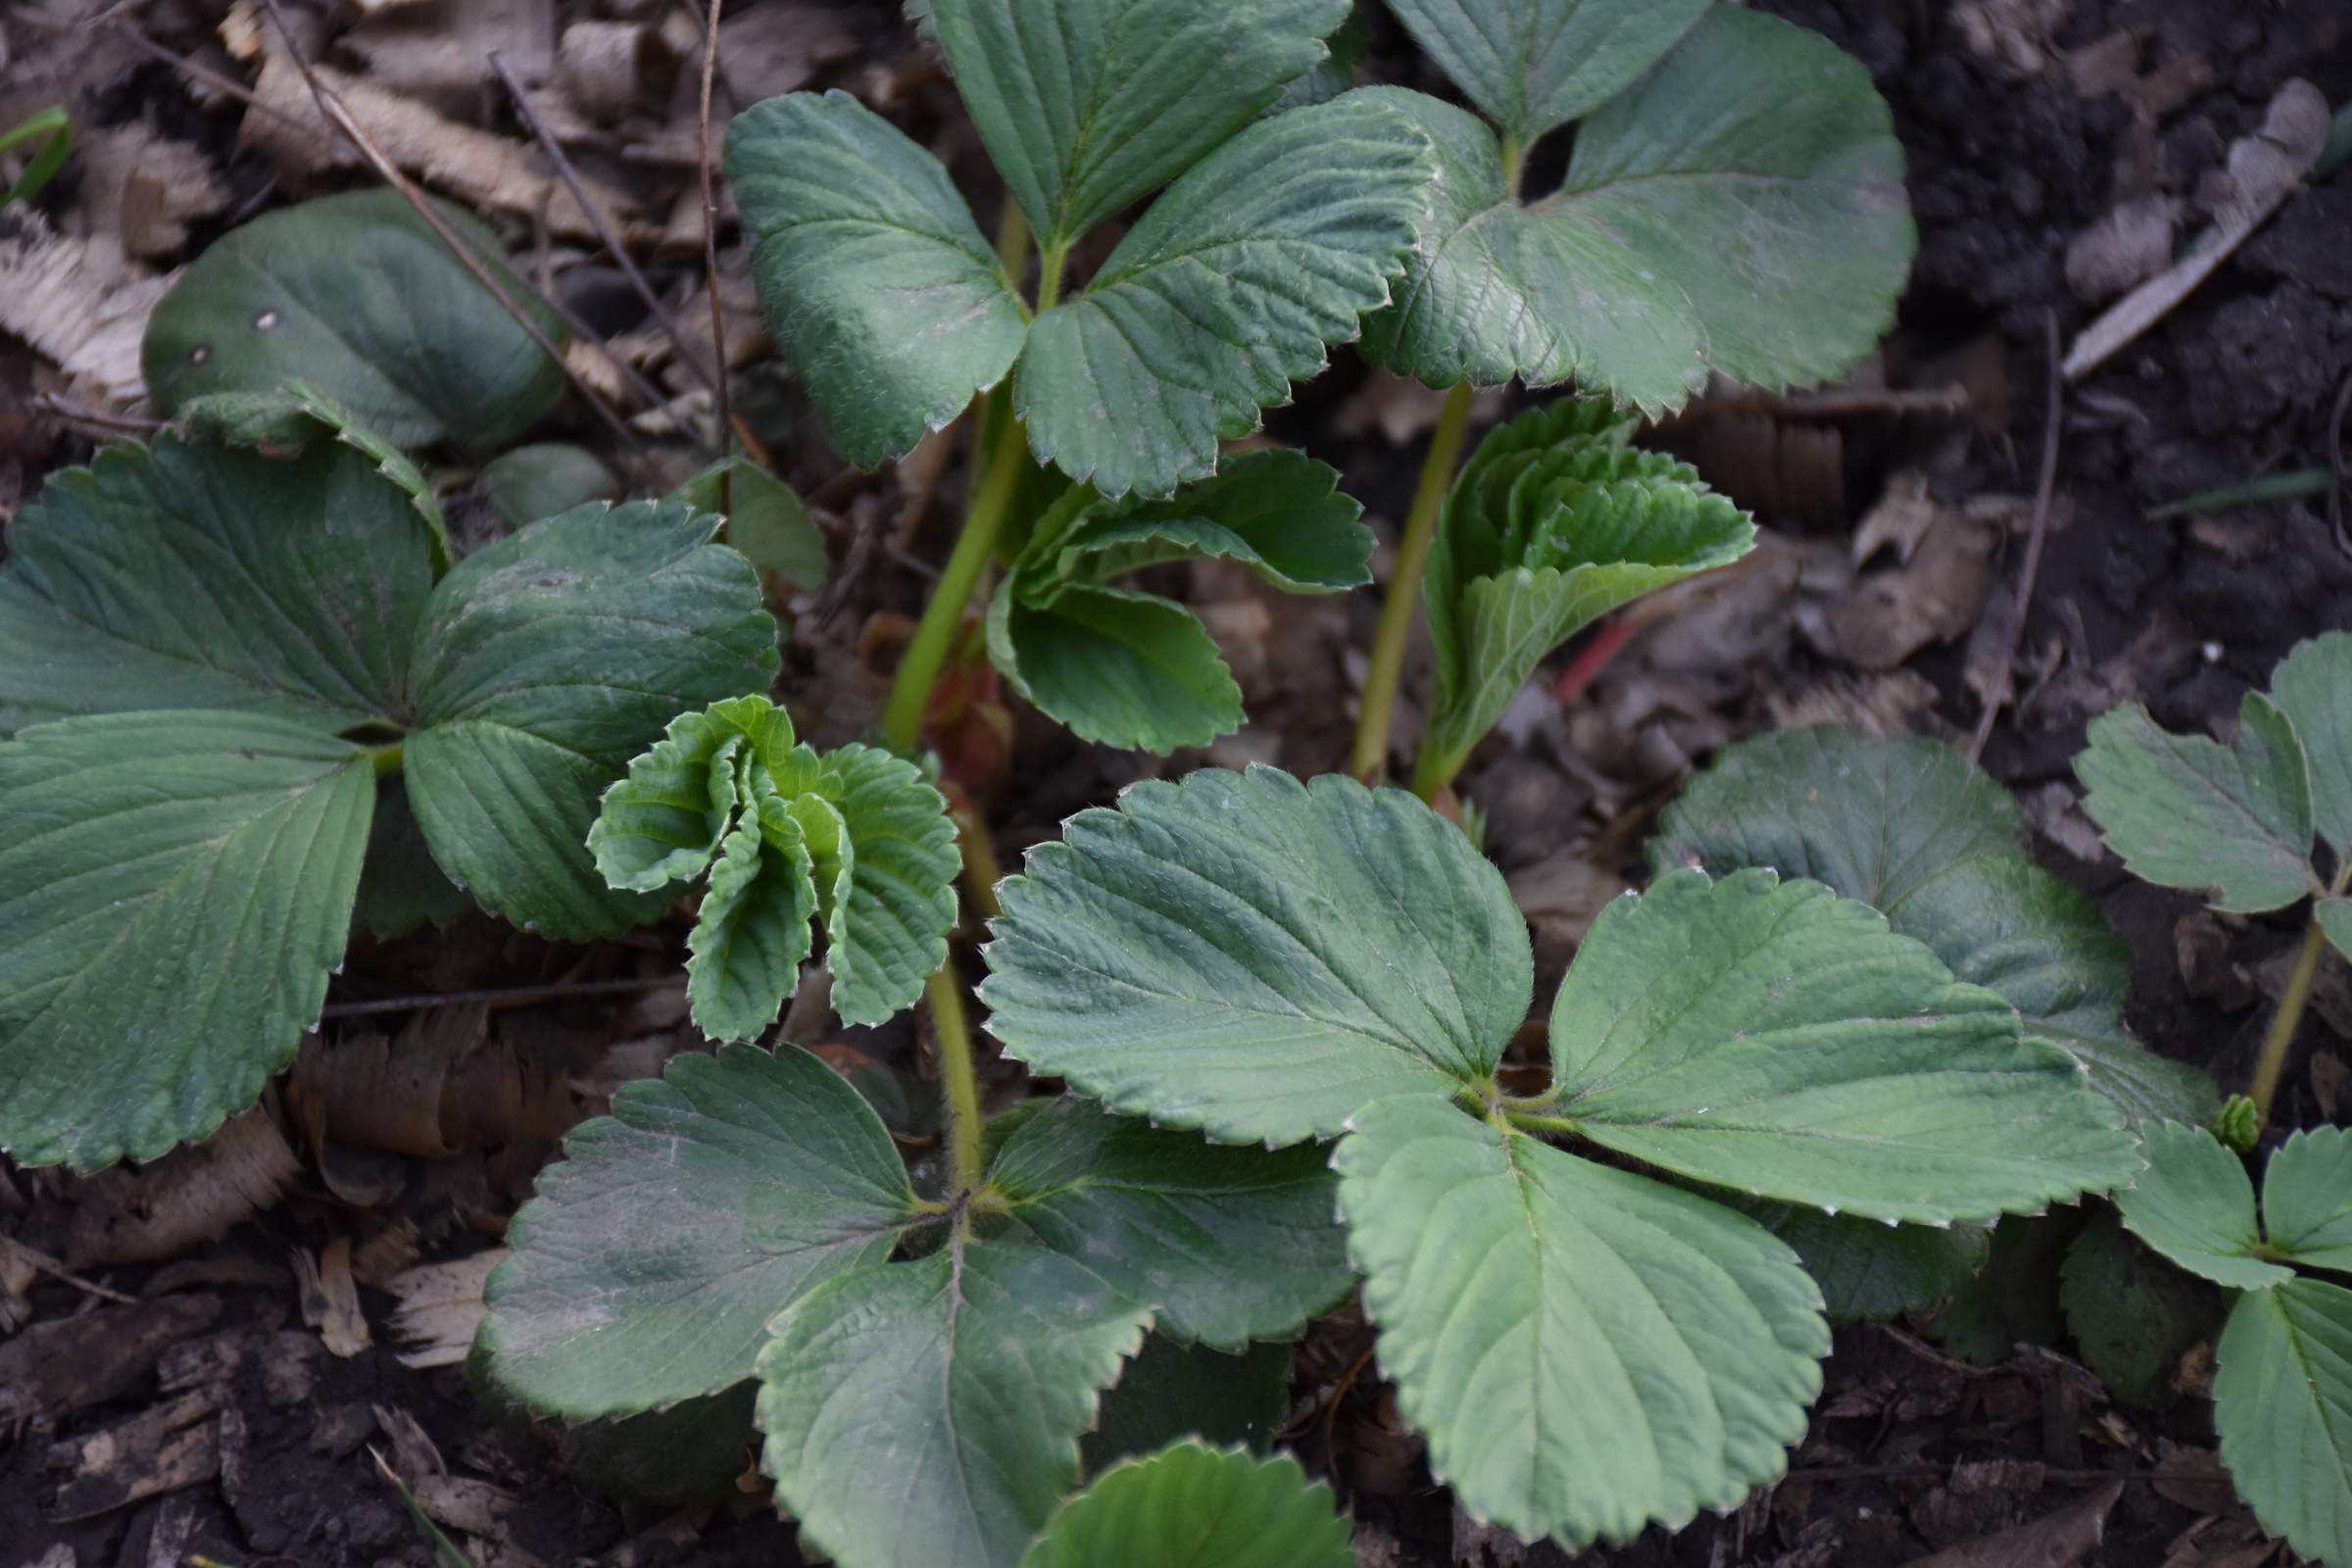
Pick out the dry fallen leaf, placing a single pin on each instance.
(440, 1307)
(1933, 597)
(2055, 1541)
(78, 303)
(330, 1299)
(137, 1213)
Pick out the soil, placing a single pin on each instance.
(1910, 1450)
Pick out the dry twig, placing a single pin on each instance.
(702, 153)
(2013, 631)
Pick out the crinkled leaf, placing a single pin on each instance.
(1230, 287)
(1739, 209)
(663, 822)
(959, 1381)
(543, 480)
(2282, 1406)
(1278, 513)
(1256, 957)
(2194, 1204)
(1587, 1351)
(768, 524)
(1774, 1039)
(1226, 1245)
(1191, 1504)
(2307, 1198)
(1115, 665)
(1086, 105)
(2232, 821)
(891, 933)
(2133, 1314)
(2313, 688)
(1868, 1272)
(1532, 67)
(356, 294)
(202, 576)
(751, 932)
(878, 286)
(645, 1271)
(174, 888)
(545, 662)
(1170, 1391)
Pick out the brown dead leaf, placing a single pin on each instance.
(56, 1368)
(147, 187)
(2012, 38)
(330, 1299)
(1876, 705)
(444, 1085)
(2131, 242)
(440, 1307)
(1778, 468)
(612, 70)
(137, 1213)
(2055, 1541)
(78, 303)
(438, 51)
(1934, 597)
(2196, 1478)
(778, 47)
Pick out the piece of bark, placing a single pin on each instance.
(198, 1192)
(282, 1362)
(440, 1307)
(161, 1449)
(53, 1369)
(2055, 1541)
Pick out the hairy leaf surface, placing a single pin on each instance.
(2307, 1198)
(1532, 67)
(1191, 1505)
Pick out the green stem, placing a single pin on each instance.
(918, 670)
(2270, 1065)
(386, 758)
(1528, 1123)
(1370, 757)
(964, 1126)
(1049, 262)
(1514, 156)
(1012, 241)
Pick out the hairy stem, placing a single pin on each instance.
(2270, 1065)
(918, 670)
(1370, 757)
(1049, 281)
(963, 1084)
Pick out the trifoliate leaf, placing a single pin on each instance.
(878, 286)
(1171, 1390)
(1256, 957)
(2313, 688)
(2194, 1204)
(2183, 811)
(1230, 287)
(2283, 1407)
(645, 1269)
(202, 576)
(2133, 1314)
(543, 480)
(174, 888)
(1868, 1272)
(2307, 1198)
(1226, 1245)
(1910, 828)
(1086, 105)
(1532, 67)
(1774, 1039)
(547, 661)
(1553, 523)
(1131, 669)
(1191, 1504)
(356, 294)
(1587, 1351)
(768, 524)
(963, 1378)
(1739, 209)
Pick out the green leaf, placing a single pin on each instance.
(751, 932)
(2194, 1204)
(1774, 1039)
(890, 308)
(2307, 1198)
(2134, 1315)
(1115, 665)
(201, 577)
(2013, 1300)
(1868, 1272)
(1086, 105)
(768, 524)
(1337, 73)
(1258, 957)
(666, 819)
(2183, 811)
(1553, 523)
(1739, 209)
(400, 887)
(2313, 688)
(1191, 1504)
(1532, 67)
(2282, 1406)
(547, 661)
(960, 1381)
(1228, 289)
(1171, 1390)
(540, 480)
(1587, 1351)
(1226, 1245)
(1277, 511)
(174, 888)
(356, 294)
(891, 933)
(2336, 922)
(645, 1271)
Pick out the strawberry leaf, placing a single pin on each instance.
(2194, 1204)
(2307, 1198)
(1191, 1504)
(1532, 67)
(2282, 1408)
(2313, 688)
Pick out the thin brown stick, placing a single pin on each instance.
(97, 419)
(702, 153)
(41, 1262)
(340, 118)
(504, 996)
(2336, 464)
(2043, 488)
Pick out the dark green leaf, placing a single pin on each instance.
(2307, 1198)
(2014, 1297)
(2313, 688)
(1191, 1505)
(1115, 665)
(2133, 1314)
(1868, 1272)
(1530, 66)
(538, 481)
(1171, 1390)
(400, 886)
(766, 522)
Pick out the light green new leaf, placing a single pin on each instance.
(1169, 1390)
(1531, 67)
(646, 1270)
(960, 1381)
(1228, 289)
(1910, 828)
(1258, 957)
(545, 662)
(666, 819)
(2183, 811)
(1587, 1351)
(1739, 209)
(204, 576)
(2307, 1198)
(174, 888)
(2313, 688)
(2283, 1407)
(1226, 1245)
(2132, 1313)
(1774, 1039)
(878, 286)
(1868, 1272)
(1086, 106)
(2194, 1204)
(1115, 665)
(1190, 1505)
(356, 294)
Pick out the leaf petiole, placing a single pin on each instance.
(385, 758)
(965, 1128)
(2270, 1065)
(1530, 1123)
